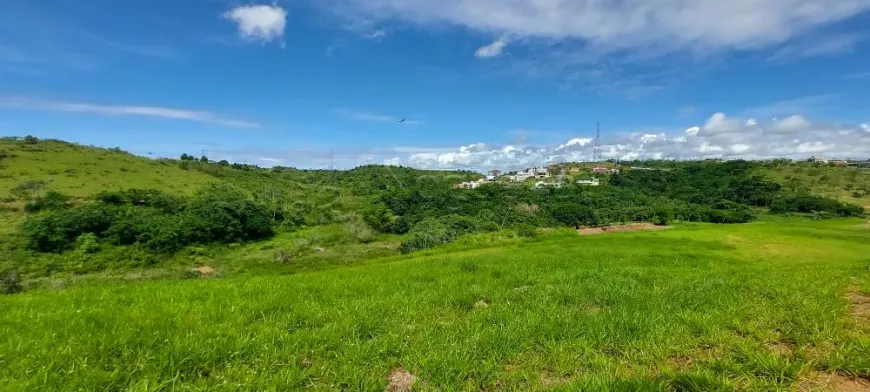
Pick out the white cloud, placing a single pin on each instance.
(124, 110)
(817, 47)
(577, 142)
(664, 24)
(792, 123)
(263, 23)
(492, 50)
(762, 140)
(794, 137)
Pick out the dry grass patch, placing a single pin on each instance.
(400, 380)
(620, 228)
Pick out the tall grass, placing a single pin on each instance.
(701, 307)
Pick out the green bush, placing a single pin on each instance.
(59, 230)
(87, 243)
(526, 230)
(814, 204)
(151, 218)
(10, 283)
(663, 216)
(50, 202)
(426, 234)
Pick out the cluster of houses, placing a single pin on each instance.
(541, 174)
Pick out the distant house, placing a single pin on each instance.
(592, 181)
(495, 173)
(470, 184)
(542, 184)
(574, 170)
(604, 170)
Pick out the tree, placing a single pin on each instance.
(203, 159)
(30, 139)
(223, 162)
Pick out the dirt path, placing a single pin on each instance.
(620, 228)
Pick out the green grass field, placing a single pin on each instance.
(83, 171)
(772, 305)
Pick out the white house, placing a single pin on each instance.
(542, 184)
(588, 181)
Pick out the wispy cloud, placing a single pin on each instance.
(821, 46)
(139, 50)
(494, 49)
(803, 105)
(376, 117)
(124, 110)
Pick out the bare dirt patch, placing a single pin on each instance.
(400, 381)
(834, 382)
(549, 380)
(620, 228)
(204, 270)
(860, 303)
(779, 348)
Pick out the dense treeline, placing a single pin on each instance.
(151, 218)
(726, 192)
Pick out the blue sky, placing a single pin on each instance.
(481, 83)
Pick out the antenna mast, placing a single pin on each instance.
(596, 156)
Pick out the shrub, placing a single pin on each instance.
(527, 231)
(27, 190)
(58, 231)
(426, 234)
(50, 202)
(30, 139)
(10, 283)
(87, 243)
(813, 204)
(359, 231)
(663, 216)
(282, 256)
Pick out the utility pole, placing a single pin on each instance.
(596, 156)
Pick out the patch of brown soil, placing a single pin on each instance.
(680, 363)
(620, 228)
(779, 348)
(205, 270)
(860, 303)
(835, 383)
(549, 380)
(400, 381)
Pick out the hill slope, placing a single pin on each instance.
(82, 171)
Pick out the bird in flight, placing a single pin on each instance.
(401, 121)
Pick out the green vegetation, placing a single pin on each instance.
(850, 185)
(699, 307)
(124, 273)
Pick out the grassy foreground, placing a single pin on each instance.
(763, 306)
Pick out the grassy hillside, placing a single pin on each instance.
(82, 171)
(850, 185)
(773, 305)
